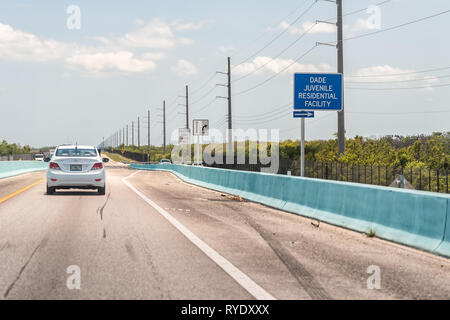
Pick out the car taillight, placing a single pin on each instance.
(54, 166)
(97, 166)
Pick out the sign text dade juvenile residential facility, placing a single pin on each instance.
(318, 92)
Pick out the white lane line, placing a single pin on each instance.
(248, 284)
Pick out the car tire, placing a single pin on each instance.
(50, 190)
(101, 191)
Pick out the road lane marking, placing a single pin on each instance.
(241, 278)
(21, 190)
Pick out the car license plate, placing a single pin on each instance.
(76, 167)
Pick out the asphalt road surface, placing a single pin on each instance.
(153, 236)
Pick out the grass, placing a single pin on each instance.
(371, 234)
(117, 157)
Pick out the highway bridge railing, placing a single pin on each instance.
(424, 179)
(14, 168)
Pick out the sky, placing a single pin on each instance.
(68, 77)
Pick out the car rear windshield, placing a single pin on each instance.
(76, 152)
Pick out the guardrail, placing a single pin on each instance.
(14, 168)
(414, 218)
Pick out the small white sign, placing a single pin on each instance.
(184, 136)
(201, 128)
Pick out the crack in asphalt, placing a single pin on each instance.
(306, 280)
(303, 276)
(11, 286)
(100, 210)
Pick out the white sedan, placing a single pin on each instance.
(76, 167)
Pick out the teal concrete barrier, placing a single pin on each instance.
(14, 168)
(415, 218)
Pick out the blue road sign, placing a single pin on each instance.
(303, 114)
(318, 91)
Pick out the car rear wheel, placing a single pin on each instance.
(50, 190)
(101, 191)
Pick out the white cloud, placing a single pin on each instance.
(154, 35)
(112, 61)
(265, 65)
(178, 26)
(226, 49)
(22, 46)
(156, 56)
(313, 27)
(308, 25)
(389, 76)
(140, 22)
(383, 73)
(118, 53)
(184, 68)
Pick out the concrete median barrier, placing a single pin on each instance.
(14, 168)
(414, 218)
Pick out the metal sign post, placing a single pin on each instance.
(302, 156)
(201, 129)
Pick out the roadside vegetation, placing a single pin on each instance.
(409, 152)
(13, 148)
(116, 157)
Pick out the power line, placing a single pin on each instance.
(204, 96)
(204, 84)
(263, 115)
(360, 10)
(248, 122)
(397, 81)
(278, 55)
(205, 106)
(279, 35)
(297, 127)
(403, 88)
(398, 74)
(401, 113)
(264, 33)
(397, 26)
(276, 74)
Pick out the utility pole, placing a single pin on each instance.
(230, 124)
(132, 133)
(127, 135)
(340, 52)
(148, 135)
(187, 107)
(123, 136)
(229, 153)
(139, 133)
(164, 126)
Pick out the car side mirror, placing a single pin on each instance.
(47, 160)
(105, 160)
